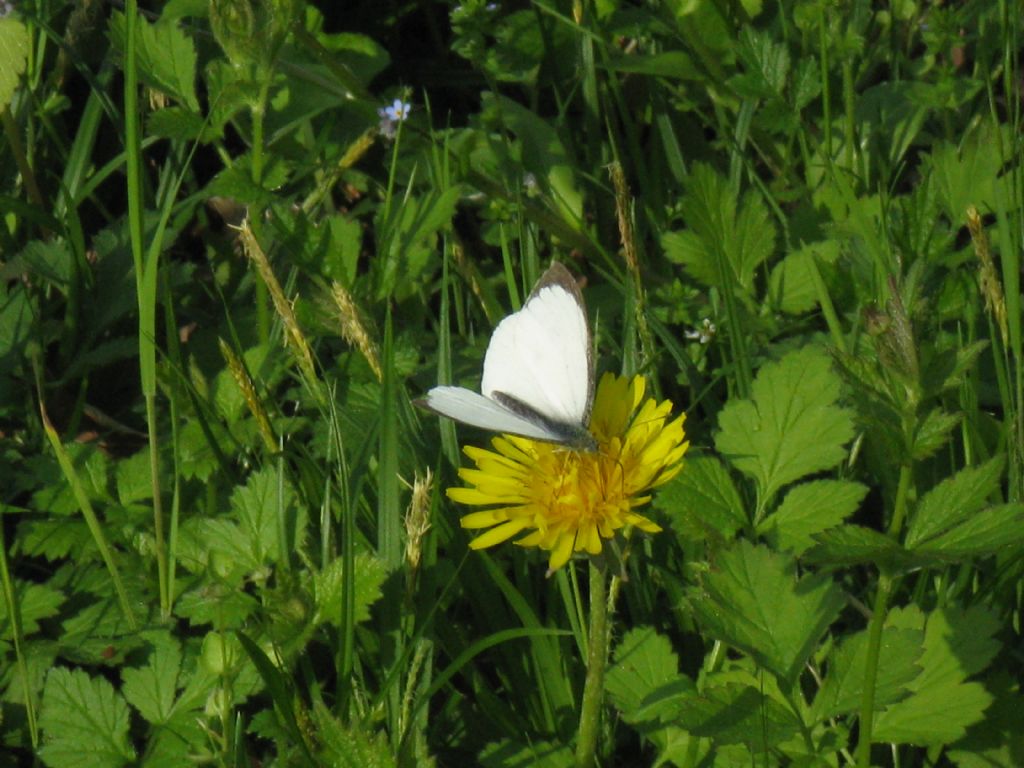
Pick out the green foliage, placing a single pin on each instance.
(753, 601)
(85, 720)
(14, 46)
(791, 427)
(225, 536)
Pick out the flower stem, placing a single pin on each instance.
(597, 657)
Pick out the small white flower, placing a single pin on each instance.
(704, 334)
(390, 117)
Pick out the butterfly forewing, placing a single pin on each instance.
(540, 355)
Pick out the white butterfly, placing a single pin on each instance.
(538, 377)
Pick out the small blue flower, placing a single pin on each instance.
(391, 115)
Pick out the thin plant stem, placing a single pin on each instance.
(145, 283)
(876, 624)
(14, 619)
(597, 658)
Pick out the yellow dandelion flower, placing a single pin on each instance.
(568, 501)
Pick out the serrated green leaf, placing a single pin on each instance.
(369, 574)
(726, 242)
(753, 601)
(791, 427)
(810, 508)
(767, 65)
(738, 714)
(702, 499)
(998, 740)
(166, 57)
(257, 506)
(933, 432)
(984, 533)
(942, 704)
(645, 672)
(175, 123)
(14, 45)
(844, 682)
(854, 544)
(84, 722)
(35, 603)
(151, 688)
(954, 500)
(350, 746)
(645, 685)
(132, 477)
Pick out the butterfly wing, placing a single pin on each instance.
(540, 355)
(476, 410)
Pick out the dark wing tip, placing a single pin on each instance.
(557, 274)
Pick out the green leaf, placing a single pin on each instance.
(933, 432)
(151, 688)
(753, 601)
(349, 747)
(984, 533)
(645, 685)
(370, 574)
(942, 704)
(767, 66)
(514, 754)
(257, 505)
(791, 285)
(738, 714)
(854, 544)
(703, 500)
(15, 325)
(810, 508)
(132, 476)
(672, 64)
(998, 740)
(954, 500)
(791, 427)
(175, 123)
(166, 57)
(844, 682)
(644, 665)
(726, 242)
(965, 173)
(84, 722)
(14, 44)
(35, 603)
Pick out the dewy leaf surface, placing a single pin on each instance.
(84, 722)
(753, 601)
(791, 427)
